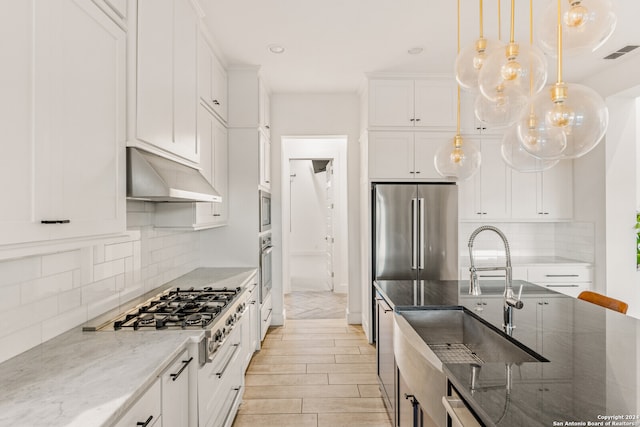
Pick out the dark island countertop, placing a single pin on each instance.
(593, 373)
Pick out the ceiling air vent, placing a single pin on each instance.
(620, 52)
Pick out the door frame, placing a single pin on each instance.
(318, 147)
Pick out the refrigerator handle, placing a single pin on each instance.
(414, 234)
(421, 232)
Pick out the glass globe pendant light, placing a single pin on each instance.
(457, 160)
(569, 123)
(519, 159)
(508, 72)
(471, 59)
(513, 152)
(588, 24)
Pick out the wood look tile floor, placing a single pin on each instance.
(313, 373)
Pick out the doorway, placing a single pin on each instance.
(314, 227)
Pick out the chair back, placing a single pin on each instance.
(604, 301)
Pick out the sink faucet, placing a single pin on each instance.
(510, 300)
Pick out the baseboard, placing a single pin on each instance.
(354, 318)
(278, 319)
(341, 288)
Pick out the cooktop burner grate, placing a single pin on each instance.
(179, 309)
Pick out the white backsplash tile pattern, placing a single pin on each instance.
(46, 295)
(572, 240)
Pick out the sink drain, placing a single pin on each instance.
(455, 353)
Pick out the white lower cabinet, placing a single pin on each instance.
(175, 392)
(221, 383)
(567, 279)
(265, 316)
(251, 326)
(146, 411)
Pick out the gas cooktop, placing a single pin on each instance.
(179, 309)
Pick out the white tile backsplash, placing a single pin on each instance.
(65, 289)
(572, 240)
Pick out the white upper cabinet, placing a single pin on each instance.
(402, 155)
(544, 195)
(212, 136)
(486, 195)
(265, 161)
(63, 109)
(421, 103)
(212, 80)
(265, 110)
(165, 106)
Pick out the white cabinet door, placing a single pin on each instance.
(220, 172)
(154, 115)
(265, 161)
(185, 65)
(212, 80)
(391, 103)
(167, 76)
(147, 408)
(66, 162)
(486, 195)
(435, 103)
(265, 110)
(425, 147)
(391, 155)
(557, 191)
(175, 392)
(544, 195)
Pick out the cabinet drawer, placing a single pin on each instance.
(560, 274)
(147, 406)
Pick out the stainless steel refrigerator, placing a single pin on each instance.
(415, 231)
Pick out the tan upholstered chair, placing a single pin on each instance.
(604, 301)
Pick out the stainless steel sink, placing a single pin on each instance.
(452, 331)
(425, 339)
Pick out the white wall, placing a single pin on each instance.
(317, 115)
(608, 178)
(308, 228)
(47, 294)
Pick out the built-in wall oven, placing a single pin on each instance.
(265, 211)
(266, 248)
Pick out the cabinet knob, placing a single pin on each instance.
(417, 171)
(417, 120)
(411, 172)
(412, 120)
(216, 102)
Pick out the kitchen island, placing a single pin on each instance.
(593, 367)
(89, 379)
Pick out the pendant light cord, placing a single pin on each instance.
(499, 21)
(458, 85)
(559, 41)
(513, 14)
(481, 22)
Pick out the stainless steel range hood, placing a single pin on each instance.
(154, 178)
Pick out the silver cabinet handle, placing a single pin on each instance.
(414, 234)
(561, 275)
(421, 233)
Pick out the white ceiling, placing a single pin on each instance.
(331, 44)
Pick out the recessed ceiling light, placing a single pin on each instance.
(415, 51)
(275, 48)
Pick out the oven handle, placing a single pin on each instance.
(267, 250)
(226, 365)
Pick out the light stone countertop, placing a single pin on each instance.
(521, 261)
(88, 379)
